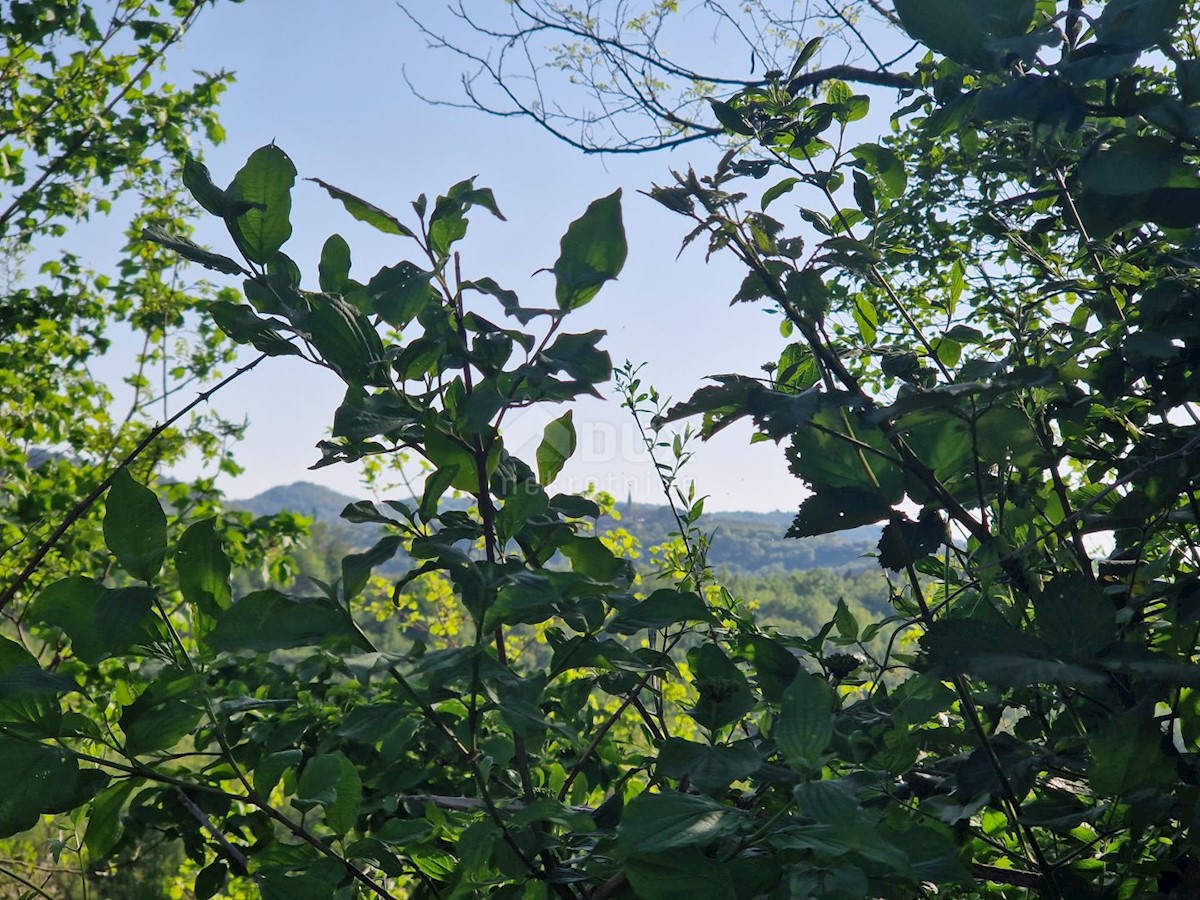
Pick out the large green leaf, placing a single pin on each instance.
(557, 446)
(652, 823)
(1127, 755)
(1128, 25)
(199, 183)
(1075, 617)
(725, 694)
(804, 727)
(101, 622)
(105, 825)
(203, 568)
(593, 252)
(269, 620)
(135, 527)
(965, 30)
(28, 693)
(1131, 165)
(346, 340)
(334, 268)
(682, 874)
(164, 714)
(263, 187)
(332, 782)
(709, 769)
(38, 779)
(664, 607)
(398, 293)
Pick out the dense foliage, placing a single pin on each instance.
(994, 350)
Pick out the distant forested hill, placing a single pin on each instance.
(743, 542)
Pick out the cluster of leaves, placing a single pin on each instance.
(995, 359)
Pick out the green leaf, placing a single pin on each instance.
(242, 324)
(558, 444)
(264, 186)
(364, 211)
(199, 183)
(1127, 25)
(905, 542)
(1002, 656)
(28, 693)
(38, 779)
(268, 620)
(105, 826)
(885, 164)
(652, 823)
(593, 252)
(844, 621)
(1130, 166)
(774, 666)
(164, 714)
(771, 194)
(964, 30)
(866, 318)
(398, 293)
(449, 454)
(836, 509)
(1075, 616)
(1127, 755)
(683, 874)
(725, 695)
(101, 622)
(203, 568)
(193, 252)
(334, 268)
(709, 769)
(805, 724)
(346, 340)
(210, 880)
(135, 527)
(664, 607)
(730, 118)
(332, 782)
(356, 568)
(268, 772)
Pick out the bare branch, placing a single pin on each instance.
(615, 77)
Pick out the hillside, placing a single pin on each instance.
(743, 542)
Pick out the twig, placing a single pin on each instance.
(86, 503)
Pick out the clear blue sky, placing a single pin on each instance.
(323, 81)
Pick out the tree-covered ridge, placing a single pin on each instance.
(743, 542)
